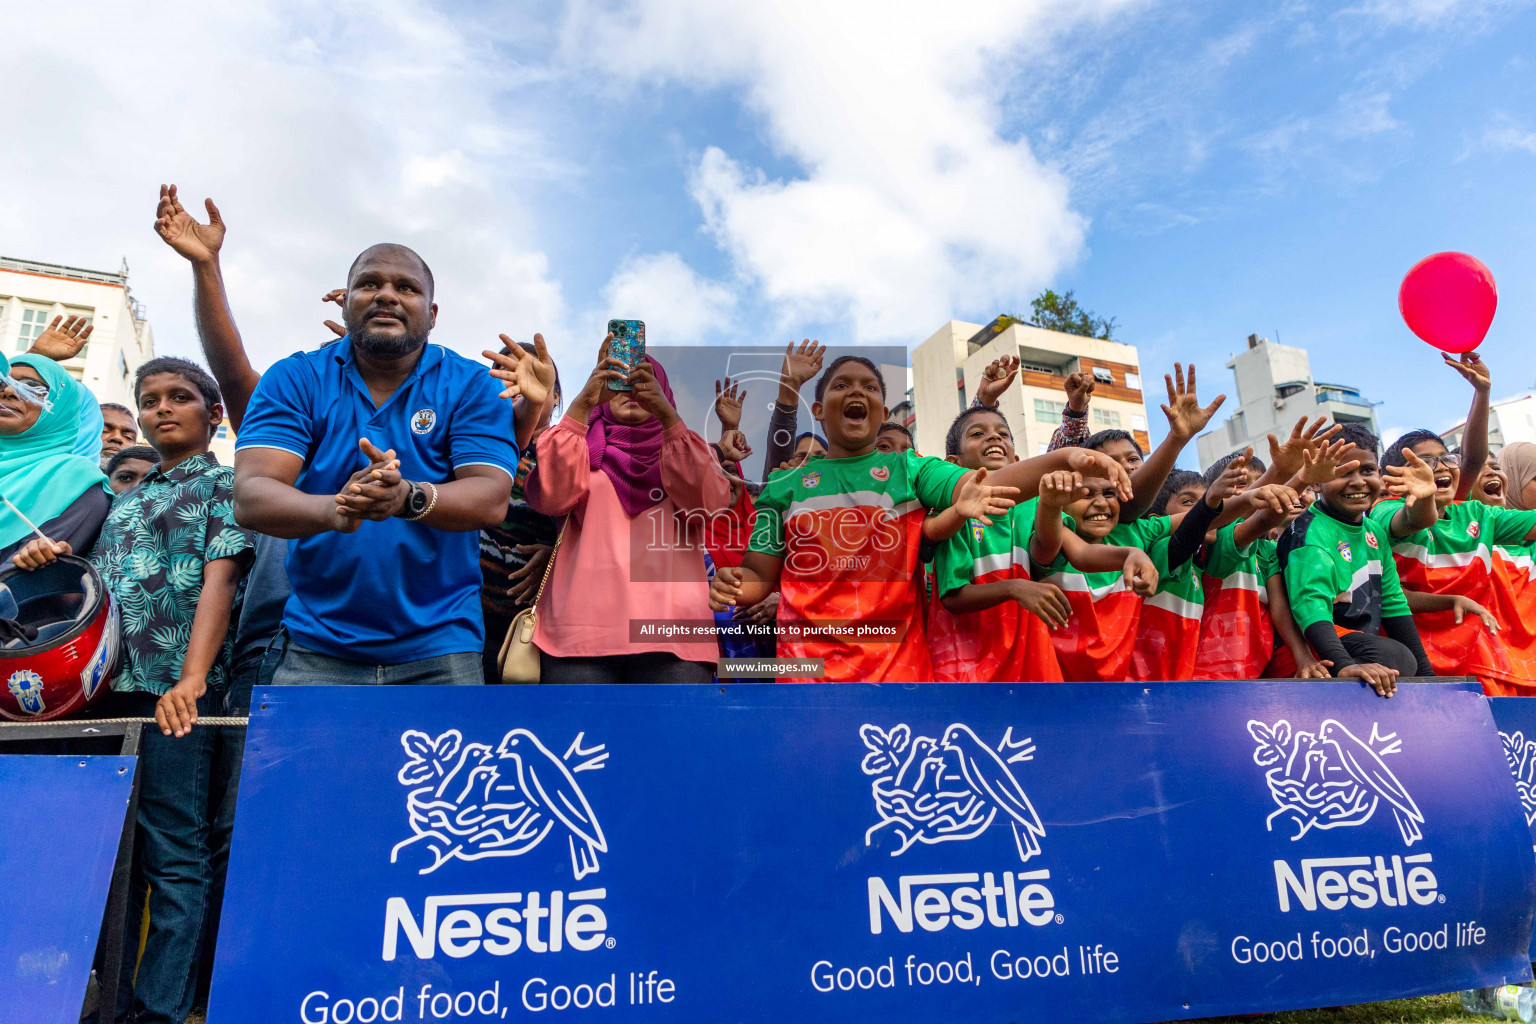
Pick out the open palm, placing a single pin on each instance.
(182, 232)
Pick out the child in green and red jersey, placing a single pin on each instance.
(992, 622)
(1345, 593)
(1095, 645)
(1444, 550)
(839, 536)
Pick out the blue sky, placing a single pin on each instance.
(741, 174)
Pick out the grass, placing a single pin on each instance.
(1424, 1010)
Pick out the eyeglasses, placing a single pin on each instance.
(1447, 460)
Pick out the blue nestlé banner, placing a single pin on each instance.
(1516, 720)
(836, 852)
(60, 822)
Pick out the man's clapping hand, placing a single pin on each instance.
(375, 492)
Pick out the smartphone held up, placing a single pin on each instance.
(627, 346)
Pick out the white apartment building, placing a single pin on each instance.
(32, 293)
(1513, 419)
(1274, 389)
(947, 367)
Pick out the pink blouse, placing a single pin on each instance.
(613, 574)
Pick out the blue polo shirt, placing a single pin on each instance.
(393, 591)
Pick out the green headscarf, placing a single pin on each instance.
(39, 472)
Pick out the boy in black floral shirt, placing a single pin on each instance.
(174, 561)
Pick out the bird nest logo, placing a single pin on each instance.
(1521, 754)
(1332, 778)
(471, 801)
(948, 789)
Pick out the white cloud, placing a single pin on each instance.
(678, 306)
(1509, 135)
(1429, 13)
(317, 130)
(910, 205)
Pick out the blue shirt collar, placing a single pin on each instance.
(431, 355)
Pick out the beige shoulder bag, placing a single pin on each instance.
(519, 658)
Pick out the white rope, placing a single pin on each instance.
(202, 720)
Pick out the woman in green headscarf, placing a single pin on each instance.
(63, 493)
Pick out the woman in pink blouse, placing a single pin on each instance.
(636, 485)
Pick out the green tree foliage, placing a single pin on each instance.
(1062, 313)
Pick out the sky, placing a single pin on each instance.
(752, 174)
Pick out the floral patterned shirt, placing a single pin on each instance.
(151, 554)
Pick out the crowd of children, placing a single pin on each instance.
(1100, 562)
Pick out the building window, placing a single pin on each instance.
(1103, 375)
(1133, 381)
(122, 366)
(1106, 418)
(1040, 368)
(1048, 412)
(34, 321)
(222, 433)
(1138, 421)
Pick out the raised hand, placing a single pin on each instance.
(647, 391)
(995, 379)
(979, 500)
(1472, 367)
(725, 589)
(595, 391)
(1044, 601)
(1286, 458)
(1320, 462)
(734, 446)
(1276, 498)
(1090, 463)
(1079, 389)
(1186, 418)
(800, 365)
(1061, 487)
(1233, 480)
(338, 296)
(529, 374)
(181, 231)
(1413, 482)
(729, 395)
(63, 339)
(1140, 574)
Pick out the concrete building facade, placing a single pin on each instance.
(947, 367)
(1275, 388)
(32, 293)
(1513, 419)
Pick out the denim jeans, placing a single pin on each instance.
(254, 670)
(170, 862)
(299, 666)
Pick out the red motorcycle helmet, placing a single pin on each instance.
(58, 640)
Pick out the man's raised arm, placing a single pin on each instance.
(200, 244)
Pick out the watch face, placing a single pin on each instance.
(417, 502)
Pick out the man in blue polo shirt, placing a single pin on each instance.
(380, 457)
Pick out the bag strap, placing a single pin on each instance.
(549, 567)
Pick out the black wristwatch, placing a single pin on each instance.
(416, 503)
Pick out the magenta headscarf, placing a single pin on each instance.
(631, 456)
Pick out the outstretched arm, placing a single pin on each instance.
(1186, 418)
(1474, 440)
(216, 330)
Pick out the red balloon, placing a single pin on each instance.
(1448, 299)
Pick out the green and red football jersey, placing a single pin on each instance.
(848, 531)
(1237, 635)
(1003, 643)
